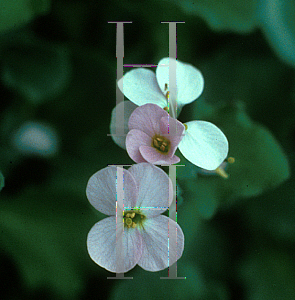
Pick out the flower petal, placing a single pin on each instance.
(155, 250)
(103, 241)
(204, 145)
(173, 130)
(155, 188)
(128, 107)
(102, 191)
(189, 80)
(147, 119)
(151, 155)
(136, 138)
(140, 86)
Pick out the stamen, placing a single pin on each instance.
(185, 126)
(166, 109)
(231, 160)
(161, 144)
(133, 225)
(132, 215)
(167, 95)
(221, 172)
(156, 144)
(128, 221)
(166, 87)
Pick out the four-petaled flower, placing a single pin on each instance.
(153, 135)
(143, 232)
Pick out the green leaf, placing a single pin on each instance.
(45, 231)
(233, 15)
(148, 285)
(1, 181)
(35, 69)
(268, 274)
(273, 213)
(278, 24)
(260, 162)
(15, 13)
(248, 71)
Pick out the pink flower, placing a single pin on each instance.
(153, 135)
(135, 230)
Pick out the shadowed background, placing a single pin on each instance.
(57, 91)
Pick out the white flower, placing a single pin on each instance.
(143, 231)
(203, 144)
(142, 86)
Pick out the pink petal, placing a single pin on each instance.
(155, 188)
(136, 138)
(173, 130)
(157, 252)
(147, 118)
(151, 155)
(128, 108)
(102, 190)
(106, 237)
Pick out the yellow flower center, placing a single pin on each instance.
(132, 218)
(161, 143)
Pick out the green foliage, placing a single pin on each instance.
(15, 13)
(60, 69)
(273, 213)
(150, 286)
(278, 24)
(268, 274)
(1, 181)
(35, 69)
(260, 163)
(232, 15)
(45, 232)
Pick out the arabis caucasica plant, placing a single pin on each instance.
(142, 232)
(202, 143)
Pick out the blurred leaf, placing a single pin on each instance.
(273, 214)
(45, 231)
(245, 70)
(1, 181)
(277, 19)
(148, 285)
(37, 70)
(268, 274)
(260, 163)
(211, 249)
(14, 13)
(231, 15)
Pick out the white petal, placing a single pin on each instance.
(102, 245)
(128, 108)
(189, 80)
(102, 190)
(204, 145)
(155, 250)
(155, 188)
(141, 87)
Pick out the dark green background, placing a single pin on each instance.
(58, 68)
